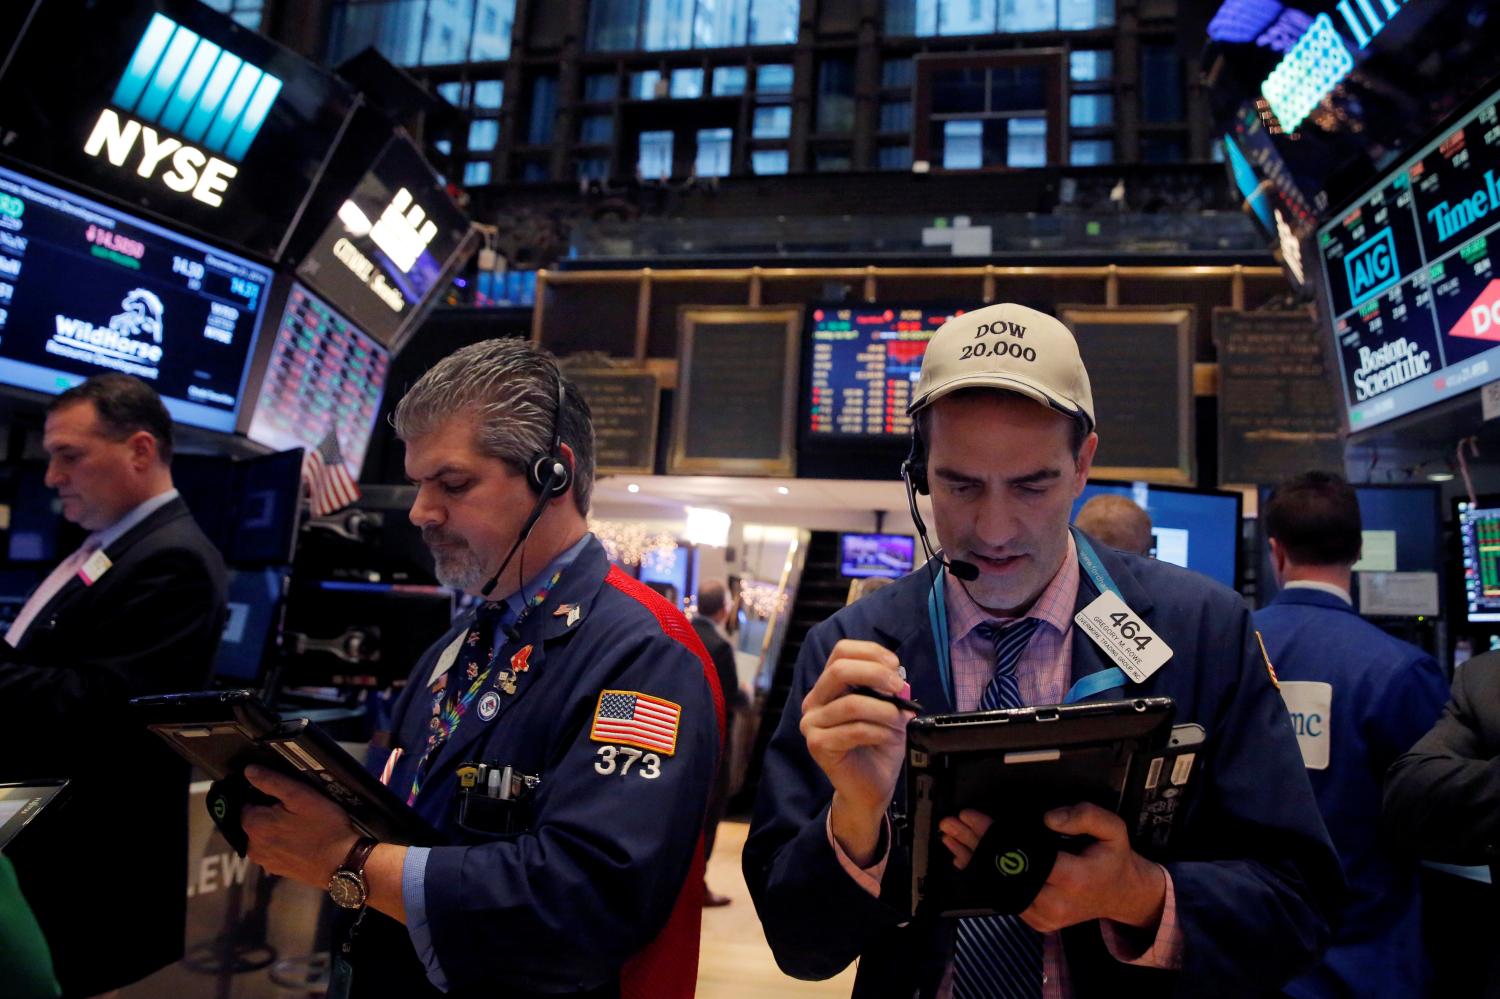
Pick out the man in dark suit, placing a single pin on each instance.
(138, 609)
(1442, 798)
(713, 613)
(1358, 699)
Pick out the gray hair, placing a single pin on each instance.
(510, 387)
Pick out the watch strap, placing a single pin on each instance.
(358, 855)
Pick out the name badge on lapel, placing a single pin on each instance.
(1123, 636)
(97, 565)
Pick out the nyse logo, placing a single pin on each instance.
(1371, 266)
(214, 100)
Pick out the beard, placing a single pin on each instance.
(455, 564)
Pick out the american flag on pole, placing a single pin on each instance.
(631, 718)
(329, 484)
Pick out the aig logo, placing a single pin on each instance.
(185, 84)
(1371, 266)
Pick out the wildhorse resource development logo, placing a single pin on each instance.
(130, 343)
(189, 86)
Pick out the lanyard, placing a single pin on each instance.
(1084, 687)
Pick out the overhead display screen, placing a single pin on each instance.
(175, 109)
(1410, 280)
(323, 374)
(863, 367)
(389, 246)
(85, 289)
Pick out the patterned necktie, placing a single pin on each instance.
(1000, 957)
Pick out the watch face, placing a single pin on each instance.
(347, 889)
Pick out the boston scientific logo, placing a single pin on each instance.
(1371, 267)
(130, 343)
(187, 85)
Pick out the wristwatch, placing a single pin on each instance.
(347, 886)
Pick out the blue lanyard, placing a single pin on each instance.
(1088, 686)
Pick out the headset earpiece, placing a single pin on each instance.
(548, 472)
(914, 468)
(549, 476)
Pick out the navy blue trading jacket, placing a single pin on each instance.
(602, 896)
(1386, 694)
(1254, 873)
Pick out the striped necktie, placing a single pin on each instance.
(1000, 957)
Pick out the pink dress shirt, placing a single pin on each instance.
(1043, 674)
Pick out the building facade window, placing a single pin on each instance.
(926, 18)
(543, 110)
(769, 162)
(596, 129)
(687, 83)
(714, 148)
(729, 81)
(420, 32)
(772, 122)
(655, 159)
(835, 108)
(248, 13)
(668, 25)
(774, 79)
(978, 112)
(1161, 84)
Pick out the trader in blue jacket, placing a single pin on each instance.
(1238, 903)
(1358, 698)
(564, 736)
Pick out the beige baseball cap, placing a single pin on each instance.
(1011, 348)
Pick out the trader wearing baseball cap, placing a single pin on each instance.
(1235, 903)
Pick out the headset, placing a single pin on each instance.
(547, 474)
(914, 473)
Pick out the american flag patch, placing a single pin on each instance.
(631, 718)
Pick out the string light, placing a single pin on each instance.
(762, 599)
(633, 543)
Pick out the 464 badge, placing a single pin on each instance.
(1127, 640)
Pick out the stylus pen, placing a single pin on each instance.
(900, 702)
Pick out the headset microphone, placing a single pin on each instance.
(915, 474)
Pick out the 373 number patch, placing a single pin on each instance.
(620, 759)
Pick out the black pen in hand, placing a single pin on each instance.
(895, 699)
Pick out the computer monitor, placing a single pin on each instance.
(891, 555)
(86, 289)
(1402, 528)
(254, 606)
(1479, 547)
(1198, 529)
(268, 493)
(248, 507)
(352, 633)
(323, 373)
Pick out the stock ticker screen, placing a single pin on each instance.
(323, 373)
(85, 289)
(1410, 278)
(864, 364)
(1479, 540)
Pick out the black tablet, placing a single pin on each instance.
(20, 803)
(224, 731)
(1014, 766)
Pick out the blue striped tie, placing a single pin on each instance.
(1000, 957)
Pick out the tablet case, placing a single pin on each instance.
(222, 732)
(1014, 765)
(20, 803)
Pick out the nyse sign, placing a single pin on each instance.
(179, 82)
